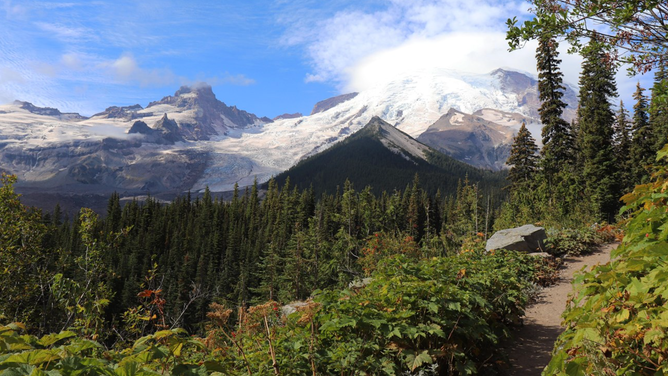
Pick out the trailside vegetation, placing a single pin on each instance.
(616, 322)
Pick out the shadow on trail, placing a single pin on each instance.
(530, 356)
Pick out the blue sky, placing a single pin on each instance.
(265, 56)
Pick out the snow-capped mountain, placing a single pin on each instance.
(192, 140)
(381, 156)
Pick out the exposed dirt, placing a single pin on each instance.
(531, 351)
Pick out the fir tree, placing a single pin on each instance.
(641, 152)
(658, 109)
(557, 149)
(622, 143)
(596, 119)
(523, 160)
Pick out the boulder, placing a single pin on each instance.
(528, 238)
(291, 308)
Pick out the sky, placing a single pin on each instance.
(268, 57)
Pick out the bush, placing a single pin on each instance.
(571, 242)
(618, 319)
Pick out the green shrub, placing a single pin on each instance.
(618, 319)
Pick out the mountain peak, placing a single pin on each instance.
(326, 104)
(210, 116)
(288, 116)
(201, 89)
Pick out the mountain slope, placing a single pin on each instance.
(215, 145)
(383, 157)
(470, 138)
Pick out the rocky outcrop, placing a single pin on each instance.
(325, 105)
(528, 238)
(288, 116)
(169, 129)
(139, 127)
(471, 139)
(126, 112)
(48, 111)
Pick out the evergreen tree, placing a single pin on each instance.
(557, 149)
(596, 119)
(642, 141)
(523, 160)
(658, 109)
(622, 143)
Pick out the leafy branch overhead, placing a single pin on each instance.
(635, 29)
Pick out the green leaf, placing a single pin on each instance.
(415, 362)
(132, 369)
(35, 357)
(52, 339)
(213, 366)
(189, 370)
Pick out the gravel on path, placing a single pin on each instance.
(532, 349)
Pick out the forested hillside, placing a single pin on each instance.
(372, 157)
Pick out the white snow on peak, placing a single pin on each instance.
(396, 141)
(411, 102)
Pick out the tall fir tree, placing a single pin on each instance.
(658, 109)
(596, 120)
(523, 160)
(642, 140)
(622, 143)
(557, 150)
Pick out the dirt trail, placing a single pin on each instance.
(531, 351)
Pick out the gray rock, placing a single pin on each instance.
(528, 238)
(360, 283)
(291, 308)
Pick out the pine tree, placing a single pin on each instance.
(658, 109)
(557, 149)
(596, 120)
(622, 143)
(642, 141)
(523, 160)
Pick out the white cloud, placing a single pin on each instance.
(14, 10)
(71, 61)
(356, 50)
(126, 69)
(336, 46)
(65, 33)
(10, 75)
(234, 79)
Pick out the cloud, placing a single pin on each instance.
(13, 10)
(127, 70)
(9, 75)
(67, 34)
(476, 52)
(72, 61)
(234, 79)
(337, 45)
(359, 48)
